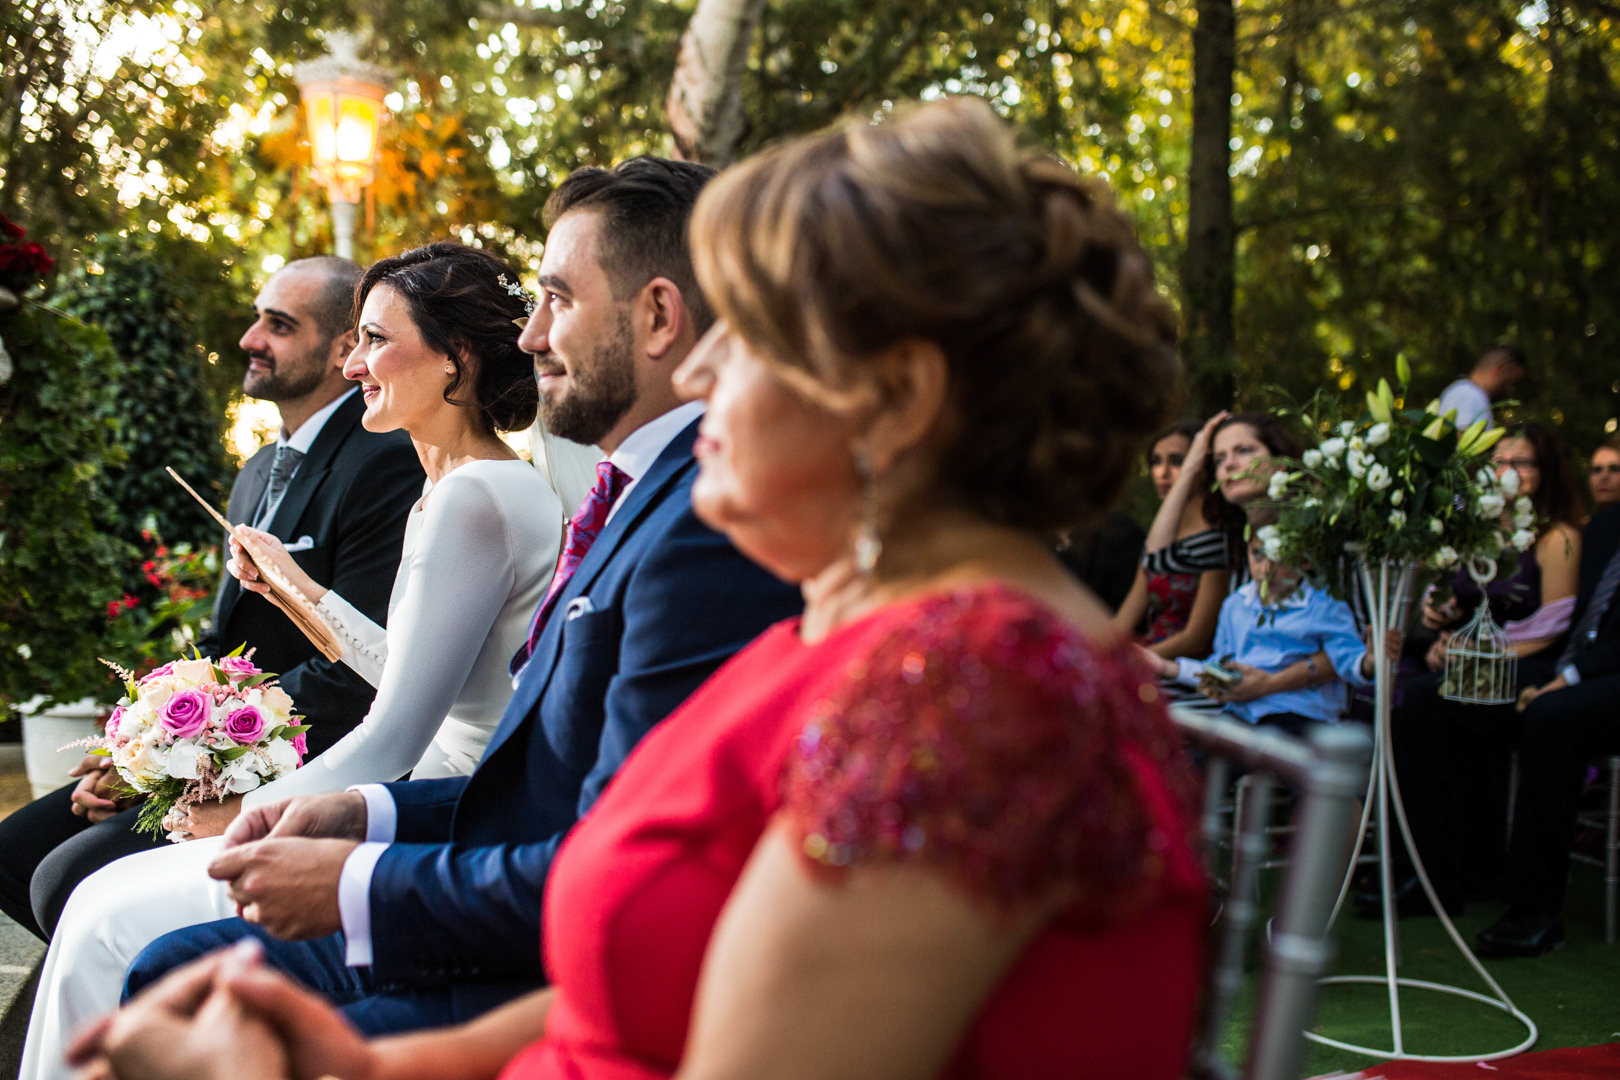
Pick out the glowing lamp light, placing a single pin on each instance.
(343, 105)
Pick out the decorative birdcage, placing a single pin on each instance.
(1481, 666)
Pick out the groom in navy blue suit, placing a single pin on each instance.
(418, 903)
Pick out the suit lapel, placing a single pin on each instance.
(649, 492)
(313, 469)
(245, 497)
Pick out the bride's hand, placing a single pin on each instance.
(269, 551)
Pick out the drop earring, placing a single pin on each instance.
(868, 544)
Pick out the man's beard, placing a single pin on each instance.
(282, 382)
(599, 393)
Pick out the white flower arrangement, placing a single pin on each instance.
(1412, 489)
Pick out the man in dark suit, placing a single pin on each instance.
(340, 504)
(1567, 722)
(436, 885)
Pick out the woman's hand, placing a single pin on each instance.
(1198, 449)
(270, 551)
(1436, 659)
(187, 1027)
(1434, 618)
(1530, 693)
(211, 817)
(1393, 640)
(1255, 683)
(313, 1036)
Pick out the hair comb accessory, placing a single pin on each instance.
(514, 289)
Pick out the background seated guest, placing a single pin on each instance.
(920, 830)
(1273, 621)
(1105, 556)
(342, 491)
(1603, 475)
(1568, 721)
(1453, 758)
(1173, 612)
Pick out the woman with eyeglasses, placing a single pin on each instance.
(1453, 757)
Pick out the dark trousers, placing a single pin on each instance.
(317, 965)
(45, 850)
(1452, 764)
(1563, 731)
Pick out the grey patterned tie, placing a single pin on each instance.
(1602, 596)
(281, 471)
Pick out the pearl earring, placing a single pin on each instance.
(449, 369)
(868, 544)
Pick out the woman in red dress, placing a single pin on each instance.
(938, 826)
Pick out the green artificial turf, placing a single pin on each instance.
(1572, 994)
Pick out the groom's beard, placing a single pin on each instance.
(283, 381)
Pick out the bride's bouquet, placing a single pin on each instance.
(198, 729)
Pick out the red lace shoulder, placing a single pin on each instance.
(988, 738)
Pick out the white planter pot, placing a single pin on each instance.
(47, 736)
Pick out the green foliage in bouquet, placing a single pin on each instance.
(1391, 483)
(60, 564)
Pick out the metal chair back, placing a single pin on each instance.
(1327, 773)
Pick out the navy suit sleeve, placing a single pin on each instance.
(424, 808)
(1598, 546)
(365, 559)
(692, 602)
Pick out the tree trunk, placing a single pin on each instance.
(705, 96)
(1208, 274)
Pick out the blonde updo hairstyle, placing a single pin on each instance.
(935, 225)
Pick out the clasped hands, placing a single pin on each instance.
(282, 862)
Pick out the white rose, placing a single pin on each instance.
(1436, 527)
(1332, 448)
(1524, 513)
(186, 758)
(280, 757)
(1490, 505)
(1523, 538)
(239, 776)
(1278, 487)
(1378, 477)
(1347, 429)
(1357, 462)
(1508, 482)
(1446, 556)
(1396, 497)
(1397, 518)
(1357, 444)
(1378, 435)
(1312, 503)
(25, 651)
(1486, 479)
(1313, 459)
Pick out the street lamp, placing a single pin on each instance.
(343, 102)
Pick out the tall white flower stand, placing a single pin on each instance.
(1387, 587)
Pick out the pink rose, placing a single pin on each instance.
(185, 714)
(239, 668)
(111, 728)
(245, 725)
(166, 669)
(298, 742)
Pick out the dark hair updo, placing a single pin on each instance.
(936, 225)
(462, 309)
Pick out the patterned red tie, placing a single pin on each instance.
(583, 529)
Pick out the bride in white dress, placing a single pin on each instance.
(437, 357)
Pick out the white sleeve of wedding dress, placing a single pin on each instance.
(462, 569)
(365, 644)
(568, 467)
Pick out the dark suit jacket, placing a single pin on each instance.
(1601, 654)
(350, 497)
(456, 900)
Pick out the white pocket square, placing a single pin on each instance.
(580, 605)
(303, 543)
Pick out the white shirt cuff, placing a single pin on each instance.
(1571, 676)
(1187, 671)
(382, 818)
(354, 902)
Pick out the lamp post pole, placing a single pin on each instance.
(343, 104)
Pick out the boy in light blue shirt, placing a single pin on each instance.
(1267, 625)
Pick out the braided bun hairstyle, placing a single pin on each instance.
(462, 309)
(936, 225)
